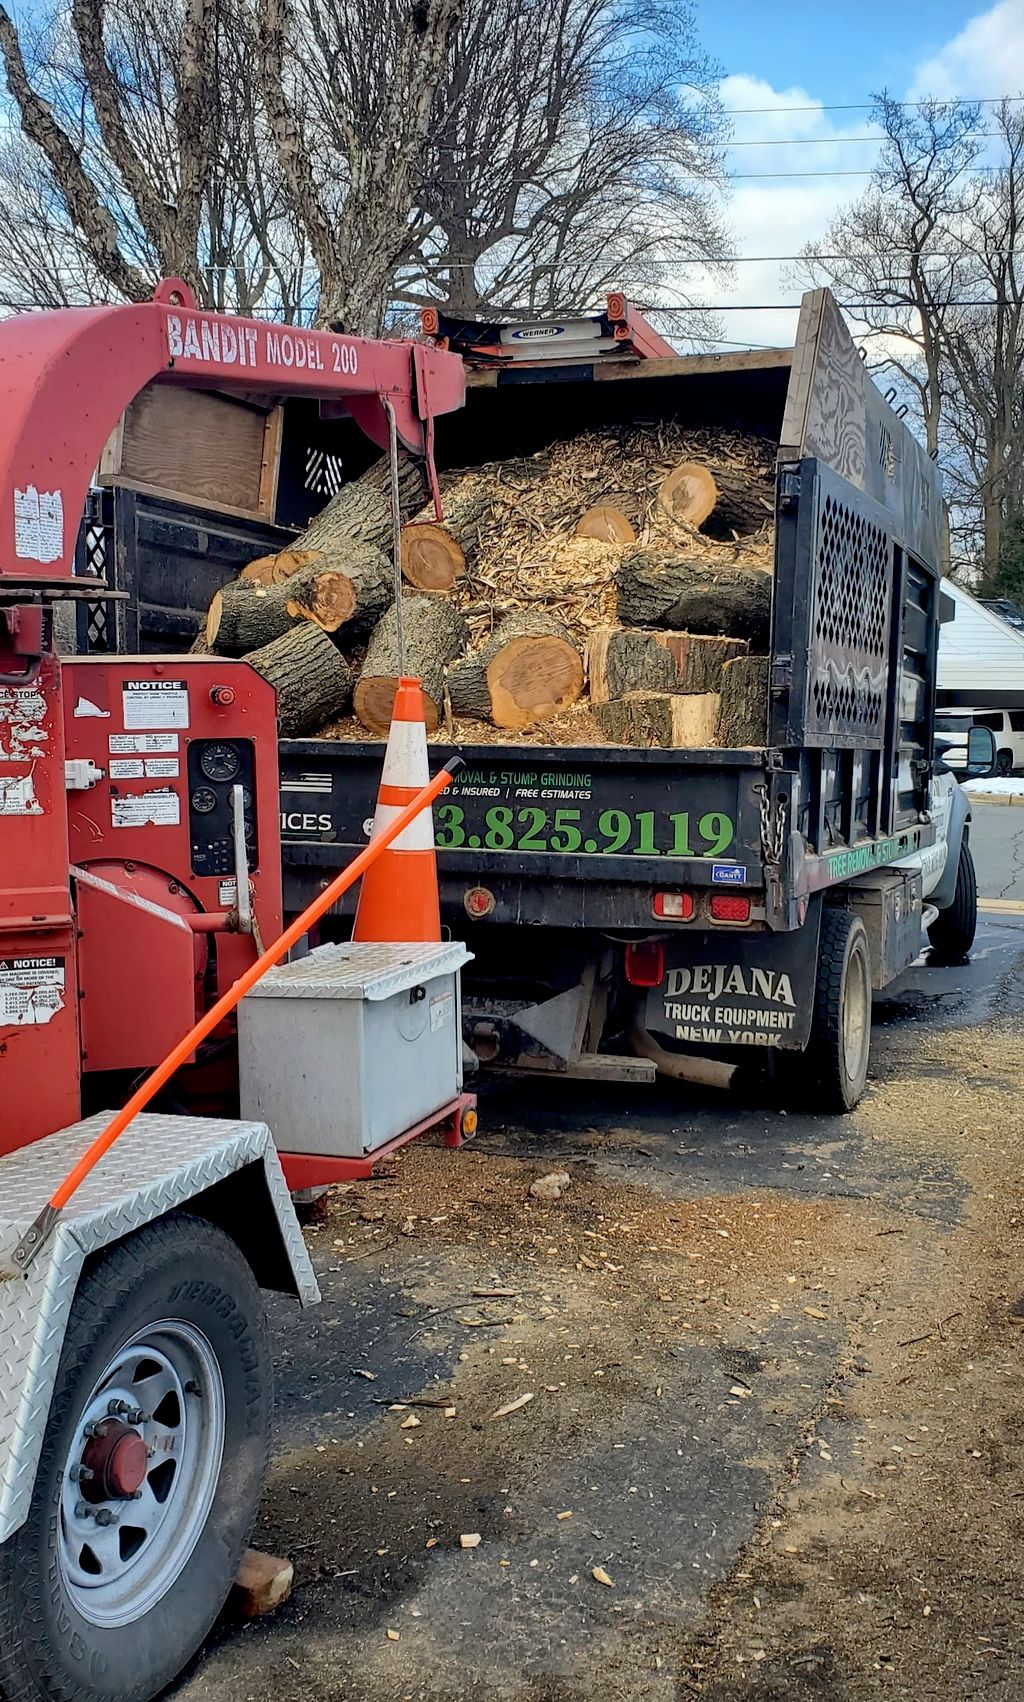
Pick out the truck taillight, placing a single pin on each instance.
(729, 907)
(645, 963)
(674, 906)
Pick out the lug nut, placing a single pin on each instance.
(82, 1511)
(116, 1408)
(105, 1517)
(81, 1474)
(90, 1429)
(192, 1387)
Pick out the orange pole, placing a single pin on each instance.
(163, 1072)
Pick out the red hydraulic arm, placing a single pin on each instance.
(67, 377)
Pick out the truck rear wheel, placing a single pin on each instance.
(840, 1044)
(151, 1467)
(951, 935)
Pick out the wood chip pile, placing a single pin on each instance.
(615, 588)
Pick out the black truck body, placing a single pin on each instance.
(567, 869)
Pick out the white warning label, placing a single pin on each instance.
(162, 768)
(138, 744)
(126, 768)
(442, 1009)
(31, 990)
(155, 703)
(156, 808)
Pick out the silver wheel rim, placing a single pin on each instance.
(119, 1557)
(856, 1015)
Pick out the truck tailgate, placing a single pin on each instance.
(569, 836)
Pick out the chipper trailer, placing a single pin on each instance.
(140, 875)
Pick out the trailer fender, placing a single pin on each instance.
(227, 1171)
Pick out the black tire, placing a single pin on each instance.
(951, 935)
(839, 1049)
(179, 1268)
(1004, 763)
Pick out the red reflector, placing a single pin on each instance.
(645, 963)
(674, 906)
(730, 907)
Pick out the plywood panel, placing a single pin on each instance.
(195, 444)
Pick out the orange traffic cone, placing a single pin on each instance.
(398, 899)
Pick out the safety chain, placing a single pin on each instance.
(773, 831)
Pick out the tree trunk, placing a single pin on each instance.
(244, 615)
(361, 511)
(622, 660)
(434, 551)
(270, 570)
(312, 679)
(671, 719)
(743, 717)
(527, 671)
(659, 587)
(606, 523)
(720, 500)
(434, 633)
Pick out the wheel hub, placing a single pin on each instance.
(115, 1458)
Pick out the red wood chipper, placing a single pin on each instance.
(139, 877)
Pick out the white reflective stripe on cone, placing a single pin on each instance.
(405, 759)
(418, 836)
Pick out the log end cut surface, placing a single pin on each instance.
(432, 559)
(609, 525)
(533, 678)
(374, 703)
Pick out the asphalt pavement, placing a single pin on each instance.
(997, 841)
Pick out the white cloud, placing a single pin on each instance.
(777, 216)
(986, 58)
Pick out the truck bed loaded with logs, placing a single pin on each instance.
(678, 613)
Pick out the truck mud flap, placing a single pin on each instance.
(738, 989)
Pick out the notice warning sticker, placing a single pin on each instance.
(31, 990)
(139, 744)
(126, 768)
(157, 808)
(155, 703)
(442, 1009)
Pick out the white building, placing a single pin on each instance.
(981, 657)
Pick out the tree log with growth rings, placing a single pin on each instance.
(718, 500)
(434, 552)
(434, 633)
(528, 670)
(312, 679)
(606, 523)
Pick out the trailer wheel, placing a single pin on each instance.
(840, 1043)
(152, 1463)
(951, 935)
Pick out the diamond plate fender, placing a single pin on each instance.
(160, 1163)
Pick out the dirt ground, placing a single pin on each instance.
(763, 1381)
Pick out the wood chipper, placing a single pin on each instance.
(139, 876)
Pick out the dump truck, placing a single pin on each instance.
(633, 911)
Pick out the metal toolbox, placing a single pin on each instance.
(351, 1045)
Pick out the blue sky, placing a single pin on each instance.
(794, 65)
(840, 54)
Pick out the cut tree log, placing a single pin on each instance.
(361, 511)
(606, 523)
(244, 615)
(434, 633)
(657, 587)
(743, 717)
(434, 552)
(722, 501)
(625, 659)
(312, 679)
(270, 570)
(674, 720)
(528, 670)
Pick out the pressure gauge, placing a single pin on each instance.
(219, 761)
(204, 799)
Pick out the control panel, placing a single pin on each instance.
(215, 768)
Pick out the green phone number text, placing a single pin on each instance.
(535, 829)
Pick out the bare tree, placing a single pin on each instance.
(573, 147)
(932, 270)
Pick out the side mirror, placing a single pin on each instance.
(981, 752)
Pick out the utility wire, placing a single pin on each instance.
(870, 105)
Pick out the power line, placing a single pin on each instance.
(870, 105)
(847, 306)
(829, 141)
